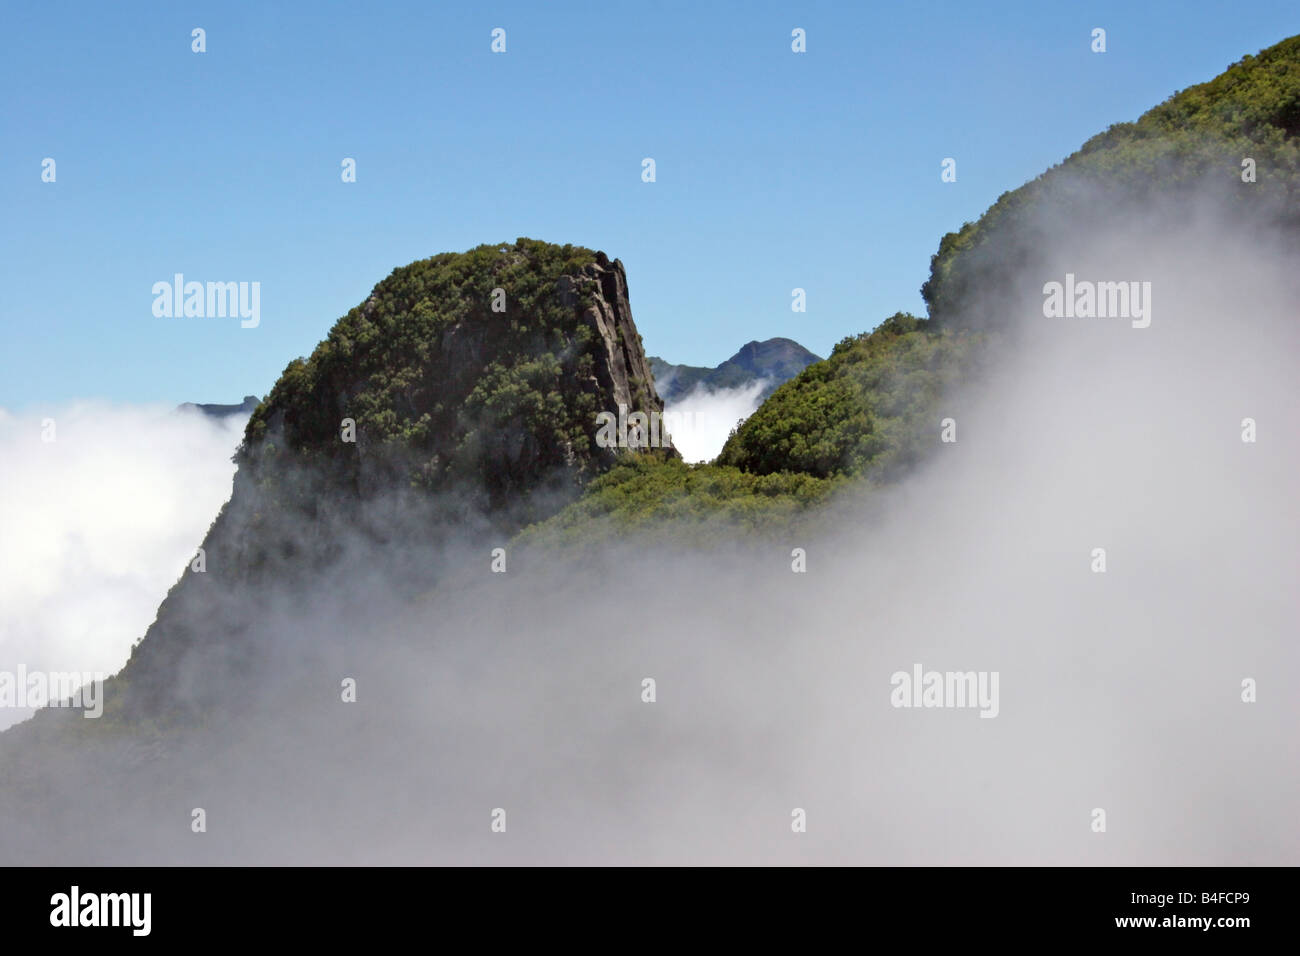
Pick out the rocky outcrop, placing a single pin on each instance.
(625, 371)
(459, 417)
(482, 370)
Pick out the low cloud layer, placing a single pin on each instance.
(99, 521)
(701, 420)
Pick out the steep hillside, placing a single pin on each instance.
(871, 405)
(1199, 142)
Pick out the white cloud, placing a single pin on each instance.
(700, 421)
(97, 526)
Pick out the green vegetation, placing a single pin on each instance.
(868, 412)
(654, 496)
(444, 391)
(869, 408)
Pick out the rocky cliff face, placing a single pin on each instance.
(624, 371)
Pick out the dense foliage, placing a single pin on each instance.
(869, 411)
(444, 390)
(871, 407)
(653, 496)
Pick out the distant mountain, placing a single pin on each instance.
(246, 407)
(777, 360)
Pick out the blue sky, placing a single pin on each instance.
(774, 170)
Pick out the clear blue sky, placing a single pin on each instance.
(775, 170)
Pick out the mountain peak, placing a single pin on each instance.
(776, 360)
(481, 369)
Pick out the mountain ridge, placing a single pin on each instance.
(776, 360)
